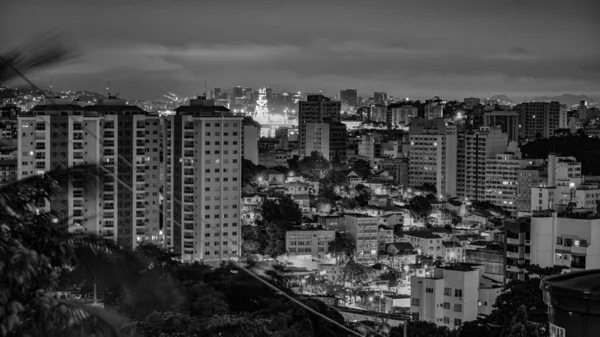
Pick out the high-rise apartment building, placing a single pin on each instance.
(130, 151)
(508, 121)
(380, 98)
(535, 174)
(501, 180)
(203, 182)
(52, 135)
(122, 204)
(9, 134)
(539, 119)
(474, 148)
(349, 98)
(402, 114)
(316, 109)
(364, 230)
(317, 138)
(434, 110)
(432, 155)
(238, 92)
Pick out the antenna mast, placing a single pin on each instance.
(108, 88)
(51, 85)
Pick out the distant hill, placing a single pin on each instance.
(501, 98)
(83, 95)
(568, 99)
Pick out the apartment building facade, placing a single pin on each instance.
(314, 242)
(432, 155)
(365, 230)
(203, 182)
(540, 119)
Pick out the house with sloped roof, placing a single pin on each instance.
(272, 176)
(399, 254)
(354, 179)
(425, 242)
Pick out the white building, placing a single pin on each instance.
(366, 147)
(250, 143)
(450, 296)
(122, 205)
(564, 179)
(573, 241)
(425, 242)
(402, 115)
(432, 157)
(202, 186)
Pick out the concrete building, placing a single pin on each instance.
(122, 138)
(447, 298)
(534, 175)
(366, 147)
(518, 247)
(398, 167)
(317, 138)
(133, 156)
(564, 178)
(363, 229)
(314, 242)
(52, 135)
(474, 148)
(540, 119)
(508, 181)
(203, 160)
(434, 111)
(432, 155)
(316, 109)
(274, 158)
(508, 121)
(402, 114)
(9, 135)
(380, 98)
(426, 243)
(250, 143)
(349, 99)
(559, 239)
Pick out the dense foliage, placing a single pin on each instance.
(585, 149)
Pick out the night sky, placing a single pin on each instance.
(454, 49)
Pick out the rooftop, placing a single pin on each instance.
(422, 234)
(583, 284)
(451, 244)
(464, 266)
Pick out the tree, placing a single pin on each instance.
(520, 326)
(392, 276)
(420, 207)
(42, 51)
(452, 215)
(282, 209)
(313, 164)
(35, 248)
(328, 184)
(361, 167)
(364, 195)
(342, 246)
(357, 273)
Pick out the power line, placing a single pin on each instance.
(202, 220)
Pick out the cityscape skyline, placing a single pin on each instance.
(164, 52)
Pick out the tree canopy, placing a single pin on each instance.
(420, 207)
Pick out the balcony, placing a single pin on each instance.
(513, 255)
(512, 241)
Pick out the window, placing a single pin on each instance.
(446, 305)
(429, 290)
(447, 291)
(415, 302)
(446, 320)
(559, 240)
(457, 292)
(457, 322)
(457, 307)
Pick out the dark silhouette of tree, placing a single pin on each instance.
(313, 164)
(342, 246)
(420, 207)
(520, 326)
(361, 167)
